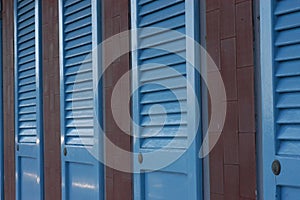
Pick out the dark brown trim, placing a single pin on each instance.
(8, 100)
(115, 20)
(51, 100)
(232, 163)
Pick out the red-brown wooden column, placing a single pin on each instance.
(116, 19)
(8, 99)
(51, 100)
(230, 43)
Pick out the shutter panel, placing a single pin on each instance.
(28, 101)
(283, 71)
(160, 108)
(82, 174)
(151, 92)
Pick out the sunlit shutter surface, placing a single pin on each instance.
(28, 101)
(161, 101)
(82, 174)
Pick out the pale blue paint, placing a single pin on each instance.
(28, 100)
(280, 97)
(80, 100)
(170, 181)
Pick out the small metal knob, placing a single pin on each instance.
(140, 158)
(276, 167)
(65, 151)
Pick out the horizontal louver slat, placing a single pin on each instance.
(288, 100)
(175, 23)
(156, 6)
(162, 14)
(288, 21)
(288, 68)
(285, 7)
(166, 131)
(166, 143)
(165, 108)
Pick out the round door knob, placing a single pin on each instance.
(65, 151)
(140, 158)
(276, 167)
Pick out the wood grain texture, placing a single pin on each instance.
(116, 20)
(51, 100)
(230, 43)
(8, 99)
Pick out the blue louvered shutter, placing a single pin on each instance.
(28, 101)
(163, 106)
(82, 173)
(281, 97)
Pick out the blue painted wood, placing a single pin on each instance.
(81, 94)
(28, 100)
(280, 97)
(164, 109)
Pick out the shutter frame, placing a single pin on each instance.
(194, 164)
(279, 76)
(24, 149)
(81, 153)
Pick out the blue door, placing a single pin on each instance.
(280, 79)
(165, 100)
(28, 101)
(81, 146)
